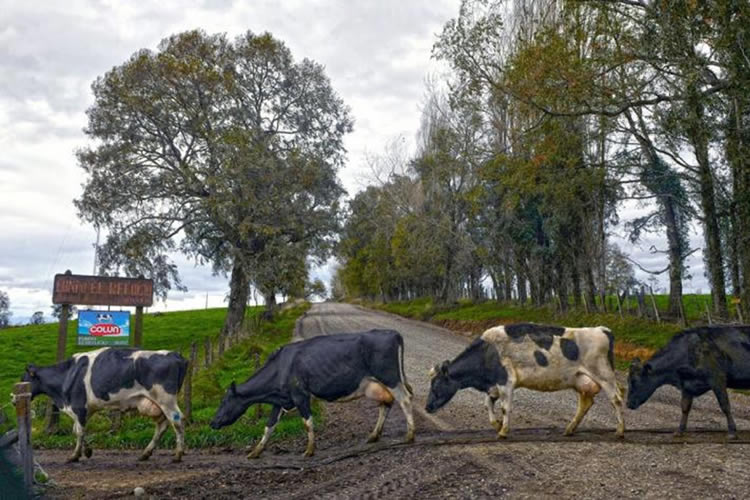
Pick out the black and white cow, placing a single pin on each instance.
(537, 357)
(696, 361)
(333, 368)
(119, 379)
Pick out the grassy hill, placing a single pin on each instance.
(635, 336)
(174, 331)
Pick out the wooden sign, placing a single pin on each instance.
(100, 290)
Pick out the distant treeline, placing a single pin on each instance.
(553, 115)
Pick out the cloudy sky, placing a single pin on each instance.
(377, 55)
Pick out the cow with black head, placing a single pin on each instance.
(338, 367)
(696, 361)
(119, 379)
(537, 357)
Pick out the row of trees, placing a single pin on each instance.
(224, 150)
(37, 318)
(554, 114)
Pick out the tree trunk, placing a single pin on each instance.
(508, 282)
(270, 300)
(590, 288)
(714, 257)
(239, 290)
(738, 228)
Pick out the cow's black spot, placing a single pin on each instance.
(569, 349)
(115, 369)
(541, 335)
(74, 387)
(541, 359)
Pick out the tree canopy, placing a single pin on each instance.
(222, 149)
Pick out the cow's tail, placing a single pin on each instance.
(611, 351)
(401, 365)
(611, 358)
(182, 368)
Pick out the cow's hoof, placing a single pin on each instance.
(409, 438)
(567, 433)
(88, 452)
(373, 438)
(72, 460)
(678, 435)
(253, 454)
(732, 436)
(144, 457)
(497, 425)
(177, 459)
(620, 434)
(309, 452)
(502, 435)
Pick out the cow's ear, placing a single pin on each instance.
(31, 369)
(444, 367)
(233, 388)
(646, 369)
(635, 365)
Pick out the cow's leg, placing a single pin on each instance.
(606, 379)
(161, 426)
(383, 411)
(686, 404)
(172, 412)
(720, 390)
(506, 402)
(489, 402)
(302, 402)
(79, 423)
(380, 393)
(403, 396)
(587, 389)
(273, 419)
(585, 401)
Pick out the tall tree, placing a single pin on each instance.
(4, 310)
(215, 148)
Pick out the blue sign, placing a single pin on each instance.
(103, 328)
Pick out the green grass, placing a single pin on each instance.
(642, 332)
(175, 330)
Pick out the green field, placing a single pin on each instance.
(174, 331)
(629, 328)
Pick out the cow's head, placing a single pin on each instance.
(640, 385)
(231, 408)
(442, 387)
(31, 375)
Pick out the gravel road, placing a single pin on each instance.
(456, 454)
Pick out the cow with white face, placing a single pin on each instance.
(537, 357)
(119, 379)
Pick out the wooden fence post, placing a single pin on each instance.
(207, 352)
(653, 303)
(189, 383)
(708, 313)
(22, 400)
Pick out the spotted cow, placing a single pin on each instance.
(332, 368)
(119, 379)
(537, 357)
